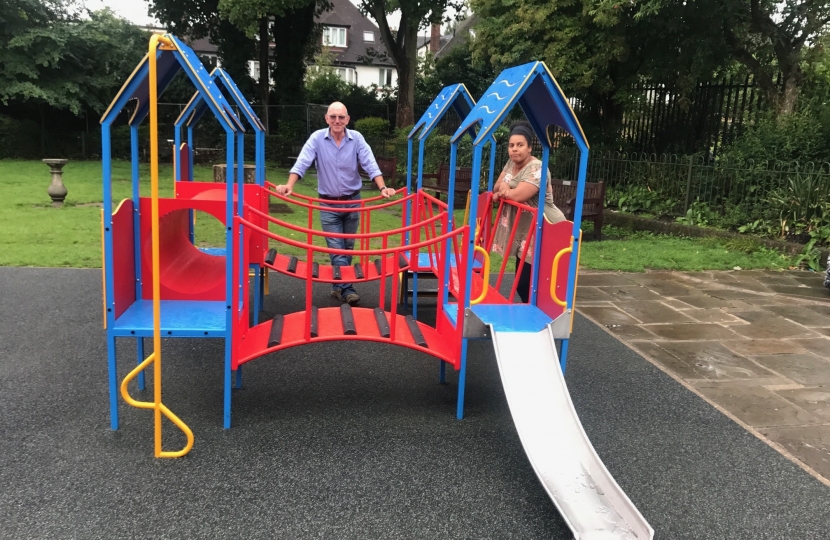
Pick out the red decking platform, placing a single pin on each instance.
(325, 272)
(330, 327)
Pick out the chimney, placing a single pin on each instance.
(435, 38)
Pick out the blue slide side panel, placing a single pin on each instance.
(512, 317)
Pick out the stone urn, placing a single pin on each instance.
(56, 189)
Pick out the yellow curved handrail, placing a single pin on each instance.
(555, 270)
(125, 393)
(485, 278)
(155, 357)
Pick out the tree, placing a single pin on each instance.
(293, 23)
(54, 58)
(402, 44)
(769, 37)
(197, 19)
(599, 50)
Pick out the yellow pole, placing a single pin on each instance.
(158, 407)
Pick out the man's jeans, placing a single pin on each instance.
(341, 222)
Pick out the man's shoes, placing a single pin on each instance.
(351, 298)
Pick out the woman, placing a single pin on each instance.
(519, 182)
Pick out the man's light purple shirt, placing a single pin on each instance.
(337, 168)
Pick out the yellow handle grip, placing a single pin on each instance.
(485, 279)
(555, 270)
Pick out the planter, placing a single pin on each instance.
(220, 173)
(57, 191)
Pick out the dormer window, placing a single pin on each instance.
(369, 37)
(334, 36)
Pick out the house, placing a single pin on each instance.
(360, 57)
(440, 45)
(432, 43)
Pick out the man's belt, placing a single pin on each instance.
(341, 198)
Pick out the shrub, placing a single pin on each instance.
(372, 127)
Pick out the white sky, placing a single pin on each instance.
(135, 11)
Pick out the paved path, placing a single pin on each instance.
(755, 344)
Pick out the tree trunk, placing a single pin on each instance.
(406, 63)
(788, 95)
(264, 70)
(41, 110)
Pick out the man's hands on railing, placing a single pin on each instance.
(283, 189)
(387, 192)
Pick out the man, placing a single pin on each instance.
(338, 152)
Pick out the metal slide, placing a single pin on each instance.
(583, 490)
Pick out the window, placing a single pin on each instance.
(334, 36)
(369, 37)
(385, 78)
(347, 74)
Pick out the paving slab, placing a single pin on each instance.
(631, 332)
(818, 346)
(801, 290)
(750, 347)
(604, 279)
(813, 399)
(697, 332)
(800, 315)
(768, 325)
(591, 294)
(607, 315)
(714, 361)
(803, 368)
(634, 292)
(705, 301)
(713, 315)
(756, 406)
(653, 312)
(810, 444)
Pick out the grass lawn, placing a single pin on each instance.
(35, 234)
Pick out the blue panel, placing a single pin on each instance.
(454, 96)
(497, 100)
(451, 309)
(423, 260)
(220, 74)
(216, 252)
(512, 317)
(179, 318)
(167, 68)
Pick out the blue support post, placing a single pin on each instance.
(462, 380)
(109, 286)
(229, 284)
(492, 163)
(563, 355)
(540, 220)
(113, 381)
(190, 153)
(139, 352)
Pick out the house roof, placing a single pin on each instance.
(423, 41)
(344, 13)
(460, 36)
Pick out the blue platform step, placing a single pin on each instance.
(179, 318)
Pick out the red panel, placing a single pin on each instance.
(555, 238)
(184, 159)
(186, 273)
(123, 257)
(330, 328)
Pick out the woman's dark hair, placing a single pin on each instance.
(523, 129)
